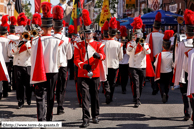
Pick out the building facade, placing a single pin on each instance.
(4, 9)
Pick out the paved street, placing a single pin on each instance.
(151, 114)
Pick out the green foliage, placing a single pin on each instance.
(112, 7)
(147, 10)
(27, 10)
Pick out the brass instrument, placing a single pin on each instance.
(180, 20)
(26, 35)
(141, 42)
(34, 33)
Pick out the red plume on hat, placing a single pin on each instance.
(113, 23)
(4, 21)
(36, 19)
(189, 17)
(118, 25)
(105, 26)
(71, 29)
(158, 17)
(64, 23)
(46, 9)
(123, 31)
(168, 34)
(28, 23)
(13, 20)
(57, 12)
(137, 23)
(22, 19)
(86, 17)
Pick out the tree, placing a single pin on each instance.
(27, 10)
(112, 7)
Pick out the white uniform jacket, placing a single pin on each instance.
(22, 55)
(157, 40)
(5, 48)
(182, 47)
(4, 76)
(65, 50)
(14, 40)
(49, 47)
(166, 62)
(137, 54)
(190, 87)
(114, 53)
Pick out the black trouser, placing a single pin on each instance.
(22, 78)
(165, 81)
(111, 78)
(89, 92)
(5, 83)
(186, 100)
(61, 85)
(71, 67)
(154, 84)
(123, 70)
(78, 86)
(41, 90)
(137, 79)
(106, 87)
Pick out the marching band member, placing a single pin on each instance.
(4, 41)
(105, 84)
(155, 40)
(22, 65)
(44, 70)
(114, 53)
(137, 60)
(65, 53)
(163, 65)
(124, 63)
(180, 74)
(87, 60)
(14, 40)
(36, 24)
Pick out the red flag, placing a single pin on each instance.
(37, 4)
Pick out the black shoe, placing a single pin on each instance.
(108, 100)
(136, 105)
(60, 110)
(123, 92)
(186, 118)
(84, 124)
(154, 92)
(95, 120)
(164, 98)
(20, 105)
(29, 102)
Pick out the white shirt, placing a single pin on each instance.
(65, 50)
(166, 62)
(137, 60)
(22, 55)
(5, 48)
(157, 40)
(125, 59)
(114, 53)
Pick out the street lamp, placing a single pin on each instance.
(29, 5)
(9, 5)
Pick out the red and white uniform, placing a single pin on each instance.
(137, 54)
(163, 63)
(65, 50)
(155, 40)
(47, 46)
(5, 48)
(22, 55)
(80, 57)
(182, 47)
(3, 69)
(14, 40)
